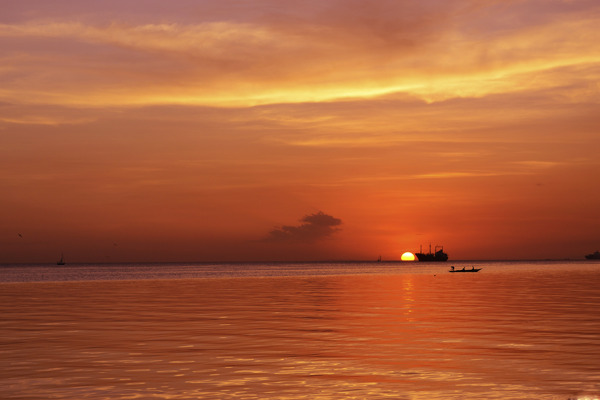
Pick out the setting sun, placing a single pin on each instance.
(408, 256)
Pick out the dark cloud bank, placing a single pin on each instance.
(312, 228)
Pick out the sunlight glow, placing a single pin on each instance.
(408, 256)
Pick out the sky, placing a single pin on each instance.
(271, 130)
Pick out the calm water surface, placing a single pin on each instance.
(300, 331)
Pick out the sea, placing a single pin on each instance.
(319, 331)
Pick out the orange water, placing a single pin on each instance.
(508, 332)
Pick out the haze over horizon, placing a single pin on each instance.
(316, 130)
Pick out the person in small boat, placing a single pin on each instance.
(452, 268)
(463, 268)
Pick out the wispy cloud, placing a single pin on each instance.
(539, 164)
(432, 53)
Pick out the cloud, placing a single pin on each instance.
(431, 50)
(313, 227)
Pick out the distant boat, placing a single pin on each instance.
(61, 261)
(594, 256)
(438, 255)
(473, 269)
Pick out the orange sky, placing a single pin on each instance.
(270, 130)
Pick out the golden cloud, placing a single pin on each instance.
(233, 63)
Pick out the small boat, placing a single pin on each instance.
(61, 261)
(473, 269)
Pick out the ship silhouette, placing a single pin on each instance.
(594, 256)
(437, 255)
